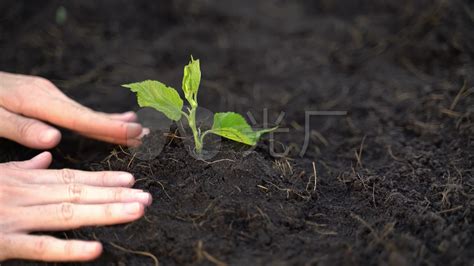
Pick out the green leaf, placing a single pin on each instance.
(191, 81)
(151, 93)
(233, 126)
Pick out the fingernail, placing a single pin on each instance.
(39, 156)
(145, 131)
(48, 136)
(133, 130)
(130, 115)
(132, 208)
(144, 198)
(90, 247)
(126, 179)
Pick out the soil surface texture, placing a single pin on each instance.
(386, 180)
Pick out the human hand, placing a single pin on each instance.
(35, 199)
(26, 100)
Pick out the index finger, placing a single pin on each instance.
(47, 248)
(68, 176)
(37, 97)
(71, 115)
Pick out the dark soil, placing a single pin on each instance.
(395, 182)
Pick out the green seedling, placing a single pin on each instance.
(61, 15)
(230, 125)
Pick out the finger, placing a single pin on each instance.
(70, 114)
(68, 176)
(126, 117)
(47, 248)
(40, 161)
(83, 194)
(67, 216)
(28, 132)
(129, 142)
(41, 99)
(124, 142)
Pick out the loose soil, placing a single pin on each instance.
(393, 179)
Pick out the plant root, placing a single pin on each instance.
(202, 254)
(358, 154)
(141, 253)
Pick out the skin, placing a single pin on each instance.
(34, 198)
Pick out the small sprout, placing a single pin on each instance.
(61, 15)
(230, 125)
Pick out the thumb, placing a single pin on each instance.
(26, 131)
(40, 161)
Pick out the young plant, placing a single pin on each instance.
(230, 125)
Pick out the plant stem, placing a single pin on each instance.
(192, 125)
(204, 134)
